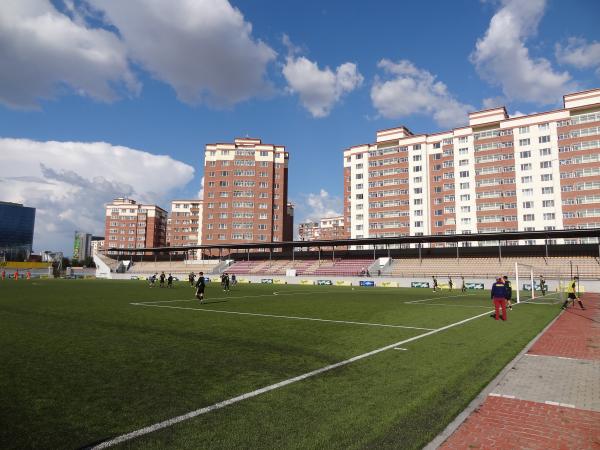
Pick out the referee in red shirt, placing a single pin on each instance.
(499, 297)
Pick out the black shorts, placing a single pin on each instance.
(572, 296)
(200, 289)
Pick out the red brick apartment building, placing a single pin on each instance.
(326, 228)
(246, 193)
(129, 224)
(498, 173)
(184, 226)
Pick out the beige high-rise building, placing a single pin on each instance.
(246, 193)
(498, 173)
(130, 225)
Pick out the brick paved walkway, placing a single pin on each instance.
(551, 398)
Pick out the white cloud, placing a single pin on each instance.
(502, 58)
(410, 90)
(43, 51)
(204, 49)
(315, 206)
(319, 89)
(579, 53)
(69, 183)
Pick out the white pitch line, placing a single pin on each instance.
(400, 348)
(436, 298)
(239, 398)
(446, 304)
(283, 317)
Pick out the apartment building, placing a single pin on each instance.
(326, 228)
(499, 173)
(246, 193)
(184, 225)
(129, 224)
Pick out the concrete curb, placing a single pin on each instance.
(478, 401)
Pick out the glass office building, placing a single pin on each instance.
(16, 231)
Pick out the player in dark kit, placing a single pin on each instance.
(162, 279)
(225, 282)
(170, 281)
(508, 292)
(498, 295)
(435, 284)
(542, 285)
(191, 279)
(200, 287)
(450, 283)
(464, 286)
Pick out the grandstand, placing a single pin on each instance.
(401, 258)
(551, 267)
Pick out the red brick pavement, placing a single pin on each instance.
(576, 334)
(502, 423)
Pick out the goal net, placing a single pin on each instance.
(531, 286)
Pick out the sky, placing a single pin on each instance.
(107, 98)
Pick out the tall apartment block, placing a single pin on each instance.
(129, 224)
(184, 226)
(499, 173)
(245, 193)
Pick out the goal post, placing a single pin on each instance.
(525, 273)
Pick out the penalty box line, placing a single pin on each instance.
(272, 387)
(435, 298)
(276, 316)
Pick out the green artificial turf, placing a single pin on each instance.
(81, 364)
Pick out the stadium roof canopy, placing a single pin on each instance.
(478, 237)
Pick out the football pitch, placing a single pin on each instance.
(86, 362)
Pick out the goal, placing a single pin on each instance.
(524, 273)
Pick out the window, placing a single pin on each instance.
(416, 157)
(464, 185)
(463, 151)
(359, 196)
(418, 190)
(528, 217)
(436, 145)
(463, 162)
(546, 177)
(523, 142)
(358, 156)
(545, 151)
(418, 223)
(545, 164)
(464, 174)
(523, 130)
(527, 205)
(549, 216)
(527, 192)
(419, 212)
(525, 154)
(438, 212)
(548, 190)
(527, 179)
(417, 147)
(465, 209)
(418, 201)
(465, 197)
(417, 168)
(544, 139)
(526, 166)
(543, 126)
(358, 176)
(548, 203)
(417, 179)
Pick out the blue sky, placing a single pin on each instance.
(165, 77)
